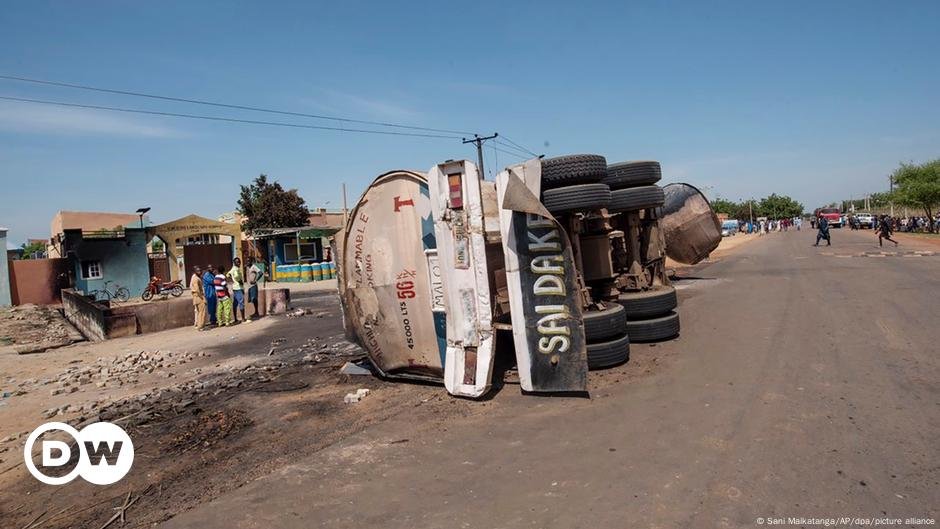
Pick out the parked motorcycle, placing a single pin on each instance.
(159, 287)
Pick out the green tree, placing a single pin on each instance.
(779, 206)
(918, 185)
(36, 248)
(879, 200)
(268, 205)
(747, 209)
(723, 205)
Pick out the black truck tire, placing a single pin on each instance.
(635, 198)
(573, 169)
(632, 174)
(581, 197)
(654, 329)
(648, 303)
(600, 325)
(608, 354)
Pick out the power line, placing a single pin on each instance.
(495, 157)
(513, 149)
(224, 119)
(509, 153)
(519, 146)
(226, 105)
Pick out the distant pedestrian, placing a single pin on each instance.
(255, 273)
(199, 299)
(208, 286)
(884, 232)
(224, 304)
(823, 232)
(238, 293)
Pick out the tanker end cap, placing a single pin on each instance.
(690, 226)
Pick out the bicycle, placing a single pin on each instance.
(106, 294)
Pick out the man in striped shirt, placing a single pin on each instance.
(224, 304)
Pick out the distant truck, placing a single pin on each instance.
(865, 220)
(833, 215)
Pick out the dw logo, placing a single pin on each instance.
(105, 454)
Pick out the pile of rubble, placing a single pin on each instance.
(118, 371)
(104, 373)
(34, 328)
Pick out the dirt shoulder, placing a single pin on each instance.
(221, 409)
(727, 246)
(927, 241)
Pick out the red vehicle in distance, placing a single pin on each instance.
(833, 215)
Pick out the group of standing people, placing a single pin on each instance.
(910, 224)
(762, 227)
(219, 295)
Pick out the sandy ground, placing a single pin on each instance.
(727, 245)
(803, 385)
(810, 390)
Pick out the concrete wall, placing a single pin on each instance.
(123, 261)
(5, 298)
(99, 321)
(38, 281)
(85, 315)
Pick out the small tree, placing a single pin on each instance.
(267, 205)
(723, 205)
(35, 248)
(919, 186)
(780, 206)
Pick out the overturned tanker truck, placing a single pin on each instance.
(560, 260)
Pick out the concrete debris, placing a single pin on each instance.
(34, 329)
(350, 368)
(107, 373)
(352, 398)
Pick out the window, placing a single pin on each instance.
(91, 270)
(203, 238)
(308, 251)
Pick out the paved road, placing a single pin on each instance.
(806, 383)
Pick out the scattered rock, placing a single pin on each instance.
(350, 368)
(352, 398)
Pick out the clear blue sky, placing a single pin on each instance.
(818, 100)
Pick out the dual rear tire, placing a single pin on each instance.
(608, 344)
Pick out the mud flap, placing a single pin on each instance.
(457, 210)
(548, 332)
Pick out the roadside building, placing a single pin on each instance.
(295, 254)
(195, 241)
(102, 259)
(5, 299)
(89, 222)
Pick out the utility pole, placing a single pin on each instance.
(345, 211)
(891, 183)
(478, 140)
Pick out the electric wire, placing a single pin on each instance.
(226, 119)
(226, 105)
(503, 136)
(514, 149)
(509, 153)
(495, 158)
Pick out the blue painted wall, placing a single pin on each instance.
(4, 271)
(123, 261)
